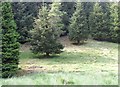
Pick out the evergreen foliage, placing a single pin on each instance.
(68, 8)
(88, 7)
(10, 46)
(78, 30)
(100, 23)
(0, 39)
(24, 13)
(47, 31)
(101, 20)
(55, 18)
(115, 23)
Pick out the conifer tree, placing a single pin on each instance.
(10, 46)
(99, 23)
(78, 30)
(55, 18)
(46, 33)
(115, 23)
(106, 22)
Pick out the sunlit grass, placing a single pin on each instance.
(95, 64)
(87, 78)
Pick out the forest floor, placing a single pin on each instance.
(94, 62)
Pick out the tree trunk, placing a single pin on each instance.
(78, 42)
(47, 54)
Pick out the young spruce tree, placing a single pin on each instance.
(78, 30)
(115, 22)
(10, 46)
(55, 18)
(100, 22)
(46, 33)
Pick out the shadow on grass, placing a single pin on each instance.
(30, 55)
(43, 56)
(82, 43)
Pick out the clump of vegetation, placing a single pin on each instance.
(104, 22)
(100, 23)
(47, 31)
(115, 22)
(78, 28)
(10, 46)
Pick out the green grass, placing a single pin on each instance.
(69, 57)
(80, 78)
(95, 64)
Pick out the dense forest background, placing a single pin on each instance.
(102, 18)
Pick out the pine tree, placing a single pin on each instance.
(10, 46)
(106, 22)
(115, 23)
(55, 18)
(100, 23)
(45, 35)
(78, 30)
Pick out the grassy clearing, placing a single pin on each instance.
(94, 63)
